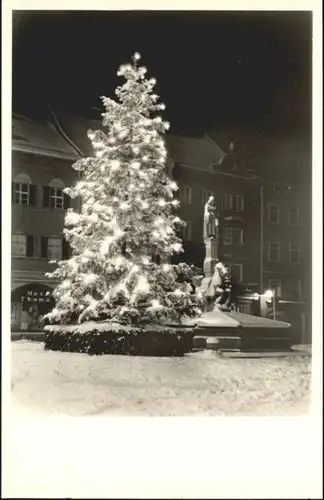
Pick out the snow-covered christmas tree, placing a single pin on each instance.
(127, 219)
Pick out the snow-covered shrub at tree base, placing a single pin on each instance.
(127, 217)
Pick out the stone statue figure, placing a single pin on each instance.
(210, 219)
(217, 289)
(223, 290)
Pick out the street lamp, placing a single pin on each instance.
(270, 294)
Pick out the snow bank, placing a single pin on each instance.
(201, 384)
(106, 326)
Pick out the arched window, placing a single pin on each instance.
(23, 191)
(54, 196)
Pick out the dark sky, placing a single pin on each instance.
(250, 70)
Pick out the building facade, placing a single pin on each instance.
(264, 222)
(41, 168)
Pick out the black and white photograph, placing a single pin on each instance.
(162, 237)
(161, 213)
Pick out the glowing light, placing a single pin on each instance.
(269, 294)
(124, 206)
(159, 221)
(137, 56)
(118, 261)
(177, 247)
(115, 164)
(155, 303)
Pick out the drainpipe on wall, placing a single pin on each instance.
(261, 237)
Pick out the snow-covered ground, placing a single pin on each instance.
(198, 384)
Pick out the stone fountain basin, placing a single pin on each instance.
(235, 330)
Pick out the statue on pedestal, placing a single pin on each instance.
(210, 219)
(216, 284)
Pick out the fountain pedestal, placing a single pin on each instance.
(233, 331)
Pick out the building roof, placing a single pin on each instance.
(77, 130)
(194, 151)
(39, 138)
(190, 151)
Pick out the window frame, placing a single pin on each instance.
(296, 288)
(225, 198)
(294, 251)
(19, 235)
(278, 243)
(270, 207)
(60, 246)
(231, 231)
(186, 195)
(241, 204)
(56, 197)
(18, 190)
(278, 286)
(297, 216)
(234, 264)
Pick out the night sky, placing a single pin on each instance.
(250, 70)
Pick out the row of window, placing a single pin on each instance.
(274, 215)
(25, 193)
(235, 236)
(229, 201)
(51, 248)
(230, 235)
(274, 252)
(236, 203)
(293, 289)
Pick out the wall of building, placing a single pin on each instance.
(248, 219)
(285, 232)
(38, 222)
